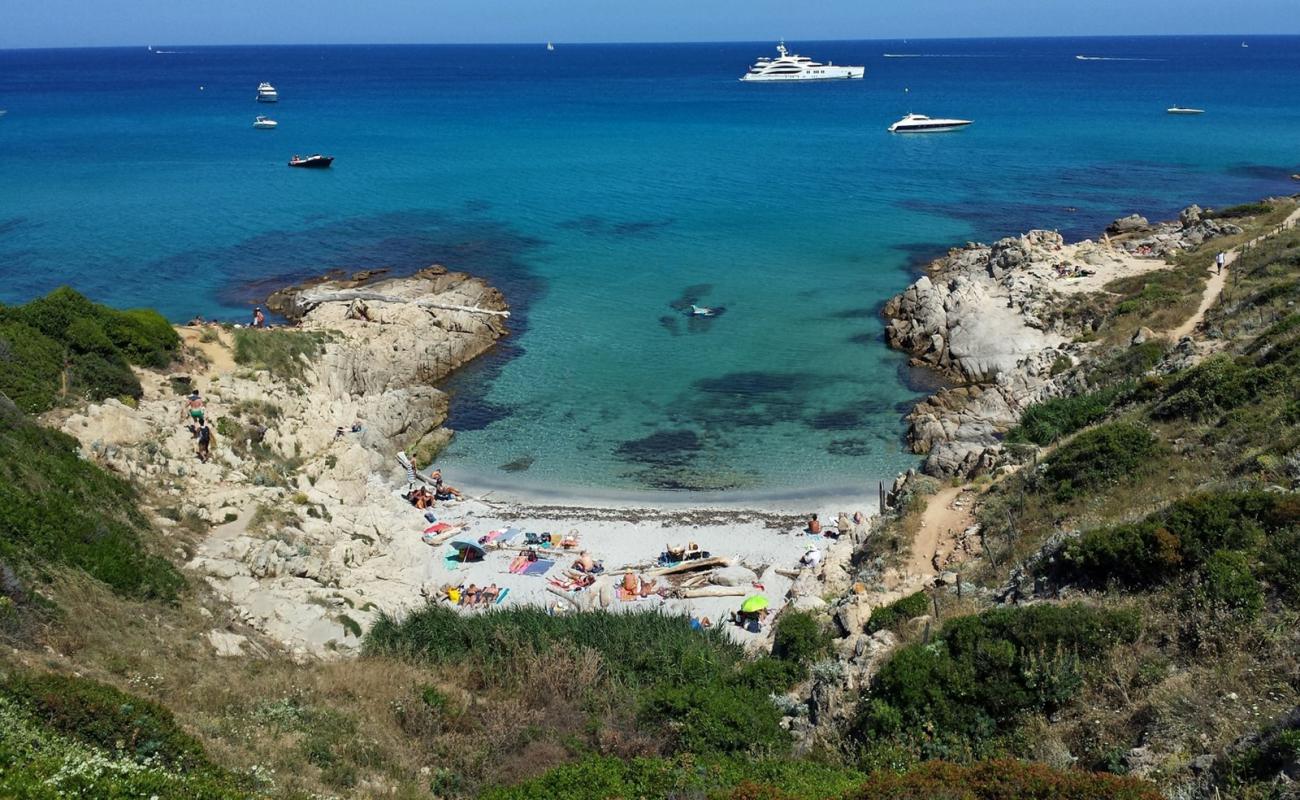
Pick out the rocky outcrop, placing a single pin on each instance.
(301, 521)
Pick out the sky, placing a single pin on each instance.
(90, 23)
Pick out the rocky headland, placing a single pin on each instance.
(1001, 324)
(299, 528)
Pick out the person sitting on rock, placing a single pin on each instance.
(842, 525)
(814, 525)
(442, 490)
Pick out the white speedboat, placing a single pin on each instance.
(550, 46)
(919, 123)
(788, 66)
(266, 93)
(264, 123)
(1182, 110)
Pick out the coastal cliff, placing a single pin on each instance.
(299, 535)
(1004, 323)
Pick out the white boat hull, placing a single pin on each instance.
(268, 98)
(817, 74)
(934, 129)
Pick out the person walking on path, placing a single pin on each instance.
(1220, 260)
(205, 440)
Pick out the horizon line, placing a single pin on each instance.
(531, 42)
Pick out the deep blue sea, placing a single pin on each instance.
(599, 186)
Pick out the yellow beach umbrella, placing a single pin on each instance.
(756, 603)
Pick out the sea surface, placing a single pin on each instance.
(603, 188)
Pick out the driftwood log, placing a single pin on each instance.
(713, 591)
(311, 298)
(691, 566)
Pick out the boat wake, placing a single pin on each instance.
(940, 55)
(1114, 58)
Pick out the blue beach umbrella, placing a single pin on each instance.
(468, 551)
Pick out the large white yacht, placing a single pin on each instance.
(788, 66)
(919, 123)
(266, 93)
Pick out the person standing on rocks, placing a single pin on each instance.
(259, 319)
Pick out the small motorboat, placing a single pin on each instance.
(318, 161)
(1185, 111)
(919, 123)
(264, 124)
(702, 311)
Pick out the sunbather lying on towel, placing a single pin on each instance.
(489, 595)
(443, 491)
(585, 563)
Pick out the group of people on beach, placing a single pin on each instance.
(844, 525)
(473, 595)
(425, 495)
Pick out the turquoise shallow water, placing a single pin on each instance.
(601, 185)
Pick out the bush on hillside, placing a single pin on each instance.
(57, 509)
(280, 352)
(1217, 385)
(1000, 780)
(1239, 211)
(104, 717)
(1044, 423)
(697, 686)
(600, 777)
(63, 345)
(950, 699)
(1181, 539)
(800, 637)
(1097, 458)
(893, 616)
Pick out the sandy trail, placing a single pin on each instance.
(220, 353)
(1214, 286)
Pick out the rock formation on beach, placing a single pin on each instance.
(997, 321)
(299, 541)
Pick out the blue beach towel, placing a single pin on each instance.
(539, 567)
(501, 595)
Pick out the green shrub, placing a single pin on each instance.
(694, 685)
(1098, 458)
(1219, 383)
(1227, 588)
(280, 352)
(1239, 211)
(1000, 780)
(800, 637)
(1181, 539)
(951, 698)
(65, 345)
(59, 509)
(1044, 423)
(891, 617)
(106, 718)
(600, 777)
(38, 762)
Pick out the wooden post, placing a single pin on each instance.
(926, 638)
(958, 585)
(935, 599)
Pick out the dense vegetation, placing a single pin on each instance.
(58, 510)
(63, 347)
(69, 737)
(955, 697)
(697, 686)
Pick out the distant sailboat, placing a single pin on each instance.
(1243, 44)
(550, 46)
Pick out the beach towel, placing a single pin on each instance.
(626, 596)
(539, 567)
(439, 527)
(517, 566)
(491, 537)
(509, 534)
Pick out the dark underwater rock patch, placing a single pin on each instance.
(856, 448)
(520, 464)
(865, 339)
(845, 419)
(662, 448)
